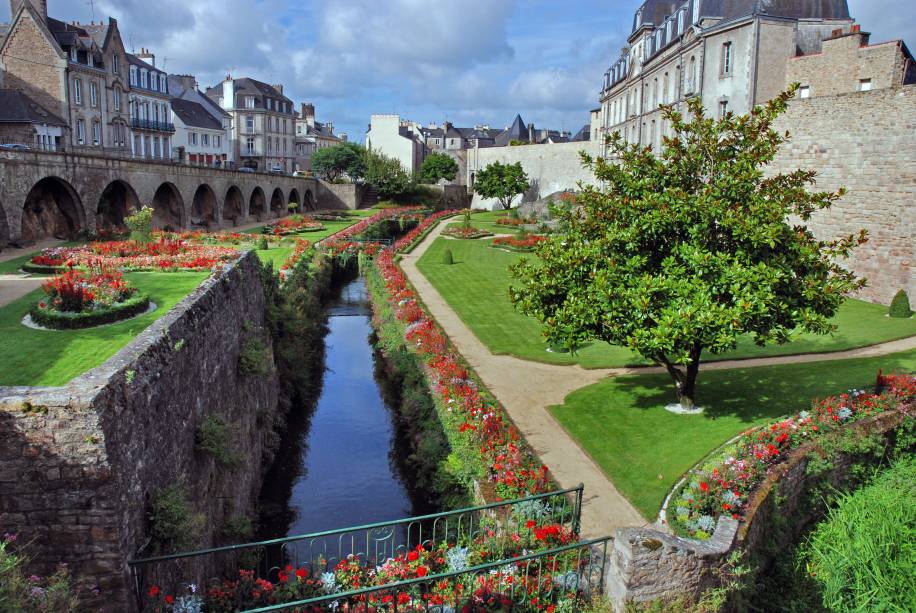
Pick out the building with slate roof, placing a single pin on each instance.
(24, 121)
(263, 122)
(731, 53)
(203, 130)
(150, 108)
(75, 71)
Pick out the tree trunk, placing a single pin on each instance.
(685, 381)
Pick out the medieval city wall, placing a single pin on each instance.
(79, 464)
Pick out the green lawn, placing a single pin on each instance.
(54, 357)
(621, 422)
(476, 287)
(486, 220)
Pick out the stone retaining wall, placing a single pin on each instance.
(79, 463)
(648, 564)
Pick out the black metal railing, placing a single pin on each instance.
(151, 124)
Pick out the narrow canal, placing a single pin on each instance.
(337, 465)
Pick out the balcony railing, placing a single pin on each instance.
(151, 124)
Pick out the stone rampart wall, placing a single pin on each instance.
(864, 142)
(340, 195)
(79, 463)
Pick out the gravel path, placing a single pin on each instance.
(527, 388)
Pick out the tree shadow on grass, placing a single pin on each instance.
(754, 394)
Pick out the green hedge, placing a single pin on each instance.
(40, 269)
(75, 321)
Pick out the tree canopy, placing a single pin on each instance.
(343, 159)
(387, 175)
(502, 181)
(683, 253)
(438, 166)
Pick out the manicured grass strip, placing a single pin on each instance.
(477, 288)
(54, 357)
(274, 255)
(621, 422)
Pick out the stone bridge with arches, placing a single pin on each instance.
(60, 195)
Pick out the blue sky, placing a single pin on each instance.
(468, 61)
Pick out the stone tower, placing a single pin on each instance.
(40, 6)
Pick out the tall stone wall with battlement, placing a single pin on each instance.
(80, 463)
(865, 142)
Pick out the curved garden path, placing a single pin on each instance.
(527, 388)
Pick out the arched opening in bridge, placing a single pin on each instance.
(232, 206)
(308, 201)
(117, 202)
(203, 208)
(294, 205)
(257, 204)
(52, 209)
(277, 203)
(168, 208)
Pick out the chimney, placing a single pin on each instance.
(146, 56)
(330, 127)
(343, 136)
(187, 81)
(279, 88)
(40, 6)
(228, 93)
(308, 111)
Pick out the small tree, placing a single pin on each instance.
(387, 175)
(687, 252)
(141, 225)
(345, 158)
(438, 166)
(502, 181)
(900, 306)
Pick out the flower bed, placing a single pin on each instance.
(466, 232)
(519, 244)
(81, 299)
(165, 254)
(510, 221)
(406, 243)
(293, 225)
(725, 484)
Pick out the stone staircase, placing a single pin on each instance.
(370, 197)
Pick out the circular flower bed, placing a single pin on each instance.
(165, 254)
(519, 244)
(465, 232)
(293, 225)
(81, 299)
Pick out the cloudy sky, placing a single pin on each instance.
(467, 61)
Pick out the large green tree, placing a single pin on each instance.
(343, 159)
(438, 166)
(387, 175)
(683, 253)
(502, 181)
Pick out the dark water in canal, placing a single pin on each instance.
(337, 465)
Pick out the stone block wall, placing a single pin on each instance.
(864, 142)
(79, 463)
(340, 196)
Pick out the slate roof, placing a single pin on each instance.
(584, 134)
(517, 131)
(66, 34)
(194, 115)
(17, 107)
(98, 33)
(177, 90)
(654, 12)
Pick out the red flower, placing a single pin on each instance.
(422, 571)
(153, 591)
(413, 556)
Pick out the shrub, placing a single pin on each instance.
(214, 438)
(254, 358)
(141, 225)
(862, 554)
(70, 320)
(172, 525)
(900, 306)
(262, 244)
(21, 592)
(238, 528)
(447, 257)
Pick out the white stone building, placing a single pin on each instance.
(731, 53)
(200, 138)
(150, 107)
(397, 138)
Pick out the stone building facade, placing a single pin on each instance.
(263, 122)
(848, 63)
(731, 53)
(150, 108)
(76, 71)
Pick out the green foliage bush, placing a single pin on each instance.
(69, 320)
(438, 166)
(141, 225)
(263, 245)
(343, 159)
(900, 306)
(214, 438)
(254, 358)
(863, 555)
(447, 257)
(21, 591)
(172, 524)
(388, 176)
(236, 529)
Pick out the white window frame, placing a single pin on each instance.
(116, 64)
(163, 84)
(865, 85)
(144, 78)
(249, 123)
(133, 76)
(193, 136)
(116, 98)
(78, 91)
(804, 91)
(204, 140)
(74, 54)
(80, 131)
(217, 141)
(96, 133)
(728, 59)
(93, 94)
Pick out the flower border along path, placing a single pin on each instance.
(526, 389)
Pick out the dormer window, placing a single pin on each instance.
(144, 78)
(638, 18)
(153, 83)
(163, 85)
(133, 76)
(73, 54)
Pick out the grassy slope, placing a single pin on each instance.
(45, 357)
(477, 288)
(621, 422)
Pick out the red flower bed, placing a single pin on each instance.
(293, 225)
(724, 487)
(78, 291)
(519, 244)
(510, 221)
(163, 254)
